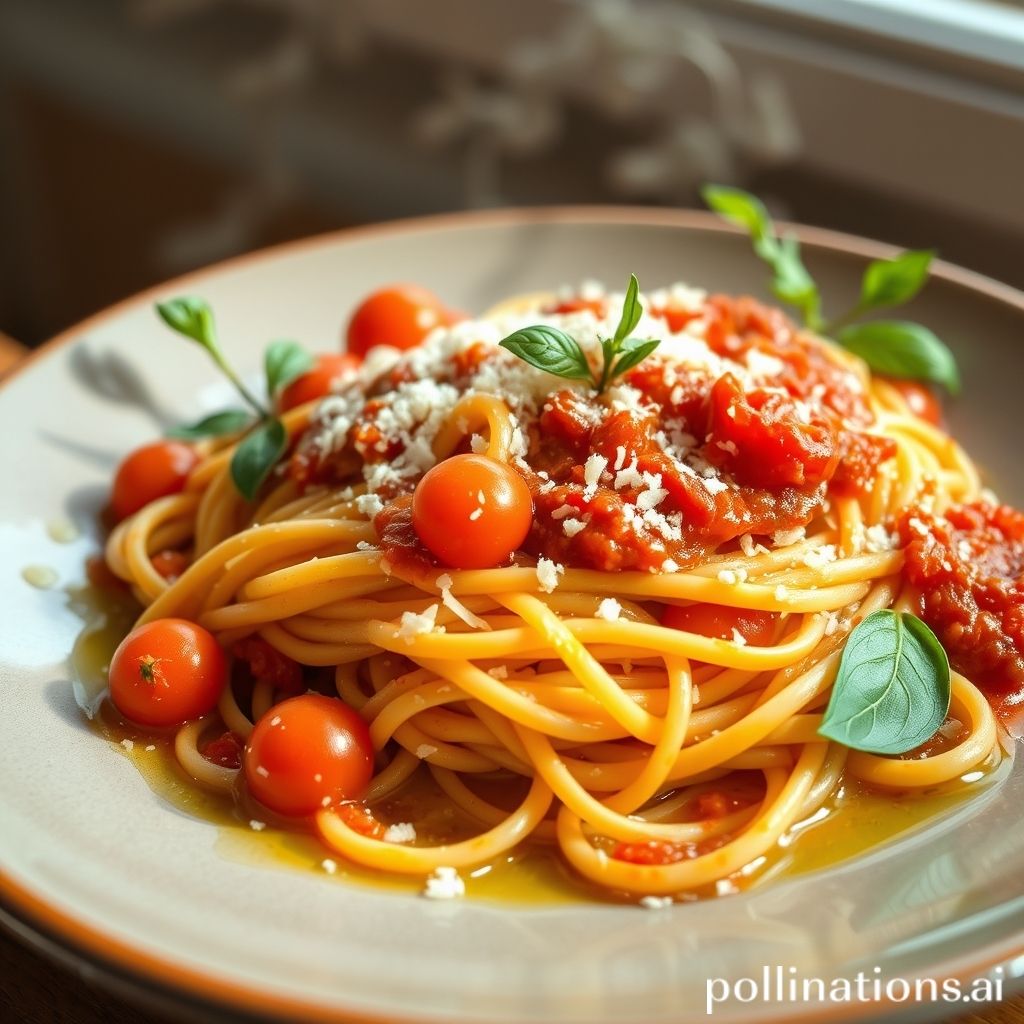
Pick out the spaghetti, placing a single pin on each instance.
(642, 682)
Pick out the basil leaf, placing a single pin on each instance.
(744, 210)
(634, 351)
(549, 349)
(215, 425)
(192, 317)
(632, 310)
(898, 348)
(892, 690)
(257, 455)
(283, 362)
(895, 281)
(792, 283)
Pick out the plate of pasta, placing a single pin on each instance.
(608, 625)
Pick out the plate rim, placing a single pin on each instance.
(56, 933)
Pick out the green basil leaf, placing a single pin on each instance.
(792, 282)
(892, 690)
(215, 425)
(192, 317)
(895, 281)
(548, 348)
(632, 310)
(283, 362)
(898, 348)
(257, 455)
(743, 209)
(634, 350)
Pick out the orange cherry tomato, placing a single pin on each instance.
(472, 512)
(330, 368)
(719, 621)
(151, 472)
(920, 399)
(400, 316)
(306, 753)
(167, 672)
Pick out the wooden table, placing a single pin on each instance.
(35, 991)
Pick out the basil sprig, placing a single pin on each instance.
(552, 350)
(217, 424)
(892, 691)
(266, 441)
(895, 348)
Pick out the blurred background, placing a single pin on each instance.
(143, 138)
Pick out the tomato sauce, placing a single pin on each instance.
(969, 568)
(693, 458)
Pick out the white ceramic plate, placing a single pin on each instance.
(95, 865)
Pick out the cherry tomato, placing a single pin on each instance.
(472, 512)
(400, 316)
(719, 621)
(167, 672)
(151, 472)
(306, 753)
(330, 368)
(920, 398)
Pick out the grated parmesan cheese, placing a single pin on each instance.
(400, 832)
(548, 573)
(818, 558)
(444, 883)
(609, 609)
(416, 624)
(570, 527)
(784, 538)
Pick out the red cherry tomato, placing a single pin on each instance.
(472, 512)
(719, 621)
(400, 316)
(330, 368)
(151, 472)
(920, 398)
(167, 672)
(306, 753)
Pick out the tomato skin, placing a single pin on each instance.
(459, 529)
(719, 621)
(167, 672)
(153, 471)
(318, 382)
(920, 399)
(400, 315)
(306, 753)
